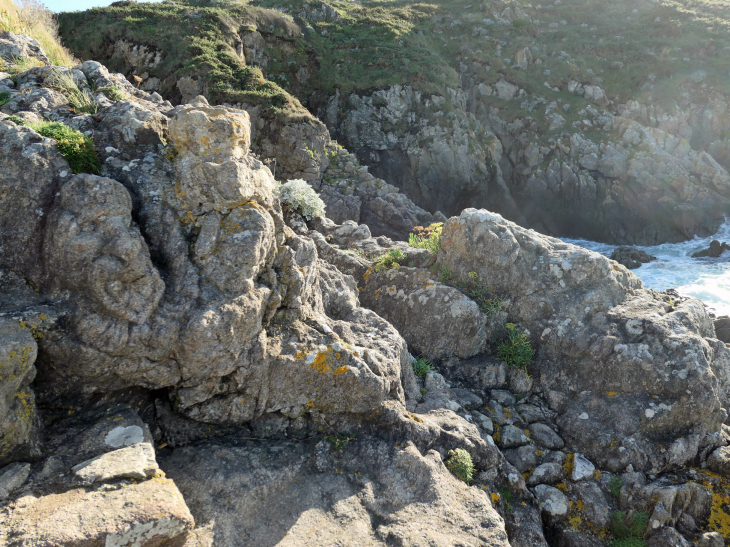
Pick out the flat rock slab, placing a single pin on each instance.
(12, 477)
(132, 462)
(148, 514)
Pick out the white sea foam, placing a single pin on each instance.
(705, 278)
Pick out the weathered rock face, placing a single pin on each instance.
(14, 45)
(441, 164)
(438, 321)
(118, 497)
(668, 381)
(182, 275)
(316, 496)
(19, 422)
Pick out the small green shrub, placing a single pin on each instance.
(422, 367)
(506, 495)
(113, 93)
(339, 441)
(298, 195)
(427, 238)
(74, 146)
(80, 100)
(516, 349)
(615, 485)
(4, 98)
(17, 120)
(390, 260)
(628, 542)
(628, 527)
(460, 464)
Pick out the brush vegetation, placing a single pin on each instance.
(641, 51)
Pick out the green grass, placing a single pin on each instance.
(615, 485)
(516, 350)
(75, 147)
(113, 93)
(628, 527)
(195, 42)
(421, 367)
(389, 260)
(4, 98)
(81, 101)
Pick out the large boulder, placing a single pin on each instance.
(178, 272)
(632, 373)
(365, 492)
(13, 46)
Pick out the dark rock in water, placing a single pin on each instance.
(715, 250)
(722, 328)
(631, 257)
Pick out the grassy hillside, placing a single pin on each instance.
(33, 19)
(640, 50)
(195, 40)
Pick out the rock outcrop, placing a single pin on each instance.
(631, 257)
(583, 315)
(214, 369)
(715, 250)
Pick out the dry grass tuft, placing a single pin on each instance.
(31, 17)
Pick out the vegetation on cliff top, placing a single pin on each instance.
(632, 50)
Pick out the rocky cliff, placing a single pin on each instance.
(553, 115)
(187, 358)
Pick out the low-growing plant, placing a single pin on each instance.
(427, 238)
(298, 195)
(339, 441)
(17, 120)
(615, 485)
(113, 93)
(18, 65)
(78, 149)
(4, 98)
(628, 542)
(631, 526)
(459, 463)
(516, 350)
(422, 367)
(390, 260)
(506, 495)
(79, 99)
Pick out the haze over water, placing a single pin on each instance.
(705, 278)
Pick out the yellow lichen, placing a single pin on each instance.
(341, 370)
(495, 498)
(569, 463)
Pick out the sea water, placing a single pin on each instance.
(705, 278)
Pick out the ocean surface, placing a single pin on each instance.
(705, 278)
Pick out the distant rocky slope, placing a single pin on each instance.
(602, 120)
(186, 360)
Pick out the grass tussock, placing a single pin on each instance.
(31, 17)
(75, 147)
